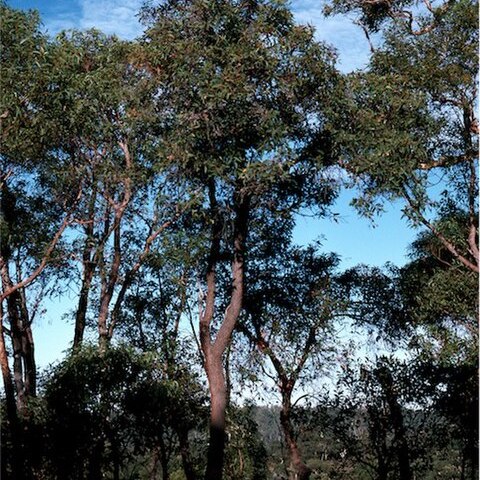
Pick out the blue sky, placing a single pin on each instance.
(354, 238)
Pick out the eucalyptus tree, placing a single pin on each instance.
(106, 129)
(120, 404)
(429, 308)
(411, 131)
(417, 17)
(290, 305)
(40, 192)
(381, 417)
(154, 319)
(243, 101)
(17, 85)
(90, 82)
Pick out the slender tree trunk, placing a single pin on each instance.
(218, 398)
(88, 271)
(24, 367)
(18, 365)
(30, 373)
(12, 417)
(403, 454)
(298, 469)
(185, 454)
(81, 314)
(163, 457)
(109, 284)
(28, 347)
(18, 344)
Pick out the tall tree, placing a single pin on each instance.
(35, 211)
(243, 102)
(92, 85)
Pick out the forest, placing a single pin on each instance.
(155, 185)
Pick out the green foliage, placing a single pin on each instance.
(407, 13)
(360, 420)
(409, 128)
(110, 399)
(23, 59)
(246, 456)
(244, 91)
(225, 103)
(430, 293)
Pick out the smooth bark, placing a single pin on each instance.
(218, 405)
(24, 368)
(89, 265)
(298, 470)
(213, 351)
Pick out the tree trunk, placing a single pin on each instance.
(12, 417)
(185, 454)
(213, 351)
(88, 271)
(29, 359)
(80, 317)
(18, 377)
(163, 455)
(218, 398)
(109, 284)
(28, 346)
(24, 368)
(403, 454)
(298, 469)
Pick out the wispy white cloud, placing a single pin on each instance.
(117, 17)
(339, 31)
(112, 16)
(59, 22)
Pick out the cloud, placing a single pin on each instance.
(117, 17)
(338, 31)
(112, 17)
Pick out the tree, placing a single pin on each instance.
(372, 418)
(104, 130)
(218, 66)
(289, 307)
(428, 306)
(411, 130)
(34, 216)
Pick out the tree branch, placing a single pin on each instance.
(446, 243)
